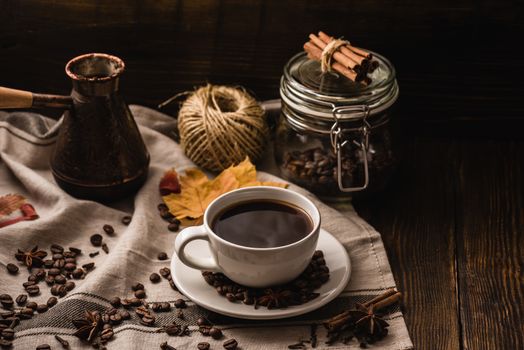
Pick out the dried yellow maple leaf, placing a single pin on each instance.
(197, 191)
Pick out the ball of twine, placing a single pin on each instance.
(219, 126)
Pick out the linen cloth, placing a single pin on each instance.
(26, 142)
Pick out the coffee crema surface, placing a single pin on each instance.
(262, 224)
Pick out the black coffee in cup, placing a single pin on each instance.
(262, 224)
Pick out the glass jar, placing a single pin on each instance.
(333, 136)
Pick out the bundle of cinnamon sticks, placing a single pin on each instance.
(340, 56)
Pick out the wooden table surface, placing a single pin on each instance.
(452, 218)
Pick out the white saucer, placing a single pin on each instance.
(191, 283)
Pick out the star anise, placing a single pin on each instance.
(277, 298)
(89, 326)
(33, 257)
(367, 323)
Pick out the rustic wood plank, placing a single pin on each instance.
(490, 244)
(416, 218)
(450, 55)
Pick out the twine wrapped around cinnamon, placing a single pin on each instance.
(340, 56)
(219, 126)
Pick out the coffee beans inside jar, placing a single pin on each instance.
(331, 128)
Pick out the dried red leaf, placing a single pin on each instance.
(169, 183)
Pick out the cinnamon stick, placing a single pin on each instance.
(380, 297)
(315, 53)
(390, 300)
(344, 50)
(338, 56)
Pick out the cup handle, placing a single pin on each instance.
(190, 234)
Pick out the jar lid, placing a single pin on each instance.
(308, 91)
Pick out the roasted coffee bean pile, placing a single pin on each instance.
(174, 223)
(297, 292)
(316, 168)
(57, 272)
(58, 268)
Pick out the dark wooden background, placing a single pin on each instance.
(452, 218)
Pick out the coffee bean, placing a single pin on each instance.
(31, 305)
(173, 227)
(58, 290)
(180, 304)
(62, 341)
(56, 249)
(32, 278)
(133, 301)
(115, 319)
(43, 347)
(12, 269)
(215, 333)
(140, 294)
(33, 290)
(230, 344)
(105, 248)
(21, 299)
(172, 329)
(166, 346)
(248, 300)
(204, 330)
(162, 256)
(78, 273)
(125, 314)
(115, 302)
(26, 312)
(203, 346)
(48, 263)
(7, 314)
(154, 277)
(88, 266)
(203, 322)
(92, 255)
(40, 274)
(28, 283)
(60, 279)
(8, 333)
(148, 320)
(59, 264)
(137, 286)
(165, 272)
(231, 297)
(108, 229)
(53, 272)
(165, 214)
(69, 286)
(180, 314)
(69, 266)
(57, 256)
(5, 344)
(50, 280)
(52, 301)
(41, 308)
(106, 334)
(76, 251)
(126, 220)
(172, 285)
(162, 207)
(69, 254)
(96, 240)
(142, 311)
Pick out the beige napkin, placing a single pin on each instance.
(26, 141)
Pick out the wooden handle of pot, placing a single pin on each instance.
(12, 98)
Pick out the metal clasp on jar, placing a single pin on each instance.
(338, 142)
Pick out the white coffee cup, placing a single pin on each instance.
(248, 266)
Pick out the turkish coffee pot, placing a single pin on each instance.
(99, 153)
